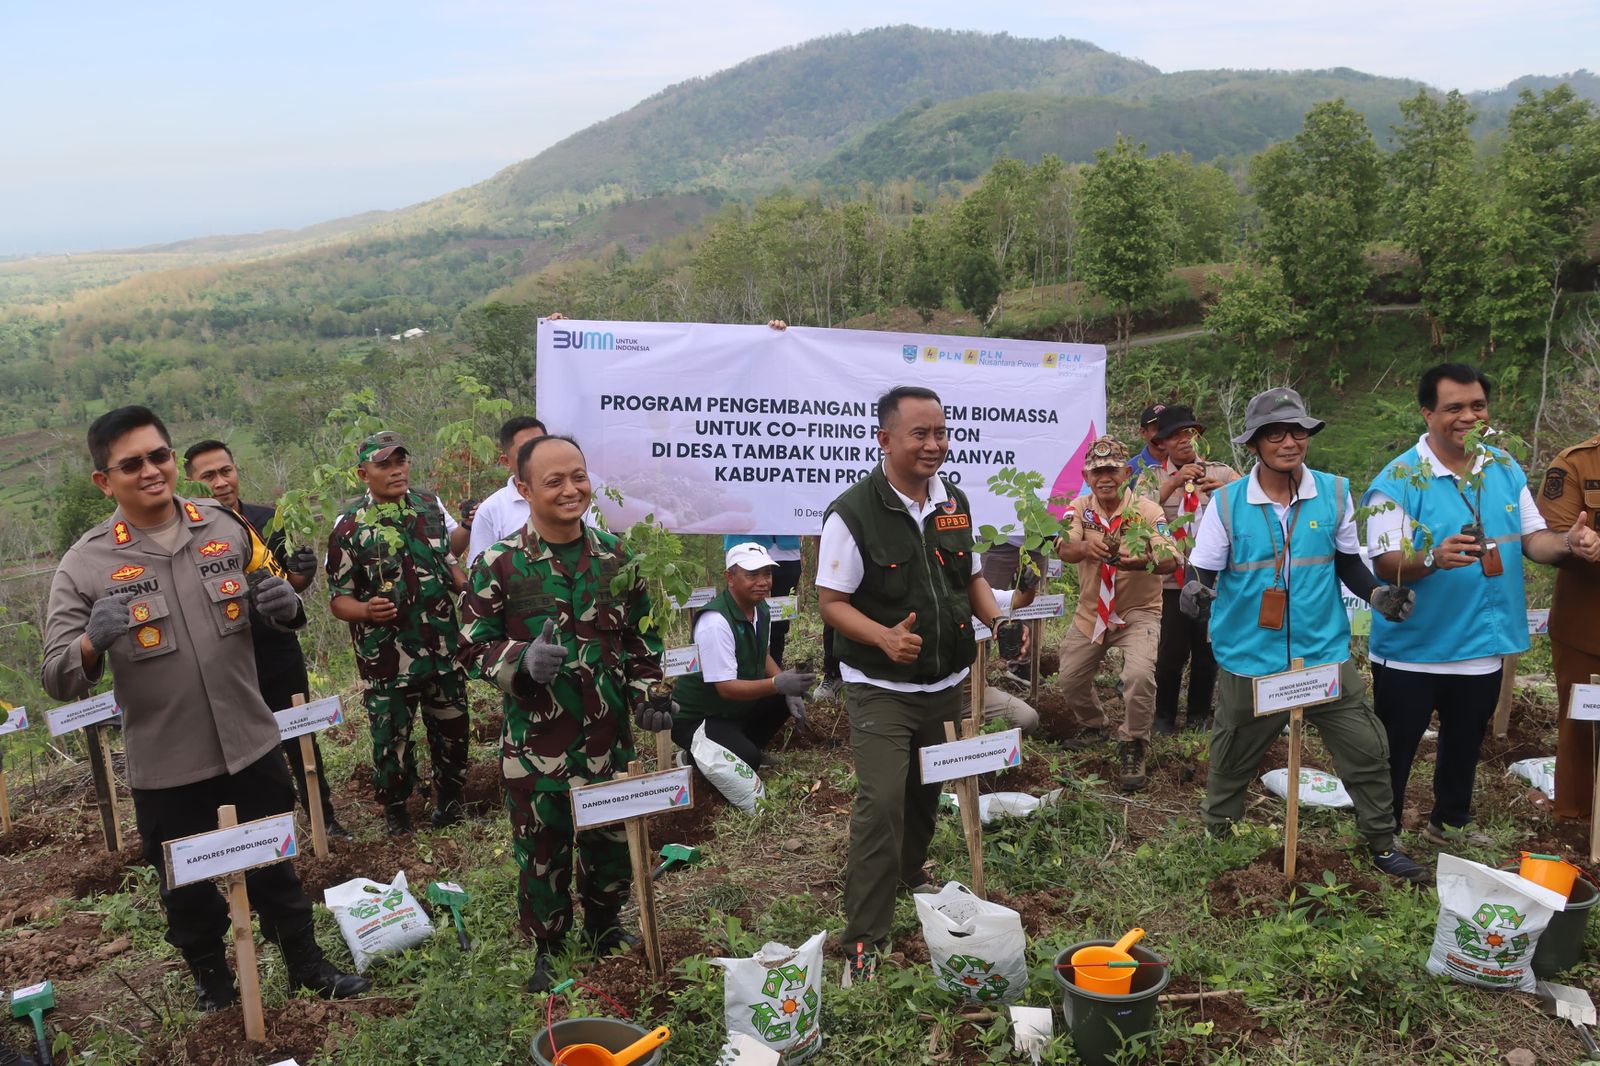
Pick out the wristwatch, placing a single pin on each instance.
(1427, 560)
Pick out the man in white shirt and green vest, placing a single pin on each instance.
(899, 582)
(740, 695)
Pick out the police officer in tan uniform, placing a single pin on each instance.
(162, 590)
(1570, 491)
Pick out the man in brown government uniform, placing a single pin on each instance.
(1571, 489)
(162, 592)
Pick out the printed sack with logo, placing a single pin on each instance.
(1317, 789)
(1540, 772)
(775, 997)
(729, 774)
(1489, 924)
(377, 919)
(977, 948)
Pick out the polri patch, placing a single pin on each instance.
(233, 610)
(214, 547)
(126, 573)
(141, 612)
(229, 587)
(951, 521)
(1555, 483)
(148, 637)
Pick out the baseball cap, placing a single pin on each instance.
(1175, 418)
(379, 446)
(749, 556)
(1150, 414)
(1105, 451)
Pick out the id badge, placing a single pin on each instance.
(1274, 602)
(1493, 565)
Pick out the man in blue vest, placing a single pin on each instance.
(1271, 552)
(899, 582)
(740, 694)
(1453, 519)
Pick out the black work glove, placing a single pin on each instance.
(302, 563)
(647, 717)
(1394, 603)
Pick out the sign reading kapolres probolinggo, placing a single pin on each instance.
(746, 429)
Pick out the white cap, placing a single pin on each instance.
(749, 556)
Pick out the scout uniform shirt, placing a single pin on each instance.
(574, 729)
(185, 673)
(1571, 486)
(1221, 473)
(400, 551)
(1137, 590)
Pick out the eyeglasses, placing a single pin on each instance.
(133, 464)
(1276, 434)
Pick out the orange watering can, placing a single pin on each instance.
(595, 1055)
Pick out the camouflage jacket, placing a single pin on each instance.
(575, 729)
(421, 642)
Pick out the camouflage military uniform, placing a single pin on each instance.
(576, 729)
(406, 664)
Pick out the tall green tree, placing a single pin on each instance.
(1205, 208)
(1436, 202)
(1318, 194)
(502, 338)
(977, 283)
(1127, 230)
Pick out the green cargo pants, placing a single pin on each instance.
(1348, 728)
(892, 820)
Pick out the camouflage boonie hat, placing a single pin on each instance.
(1104, 452)
(1275, 406)
(379, 446)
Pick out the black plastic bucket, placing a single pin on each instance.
(1561, 944)
(1098, 1023)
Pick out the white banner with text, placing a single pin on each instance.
(746, 429)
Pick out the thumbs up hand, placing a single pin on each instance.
(900, 643)
(544, 656)
(1583, 539)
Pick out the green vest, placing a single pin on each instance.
(698, 698)
(906, 569)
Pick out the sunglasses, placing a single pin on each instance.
(133, 464)
(1275, 436)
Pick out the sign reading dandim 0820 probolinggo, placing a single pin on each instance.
(746, 429)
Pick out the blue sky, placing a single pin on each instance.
(127, 124)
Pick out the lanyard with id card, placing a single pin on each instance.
(1275, 600)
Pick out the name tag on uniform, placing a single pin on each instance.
(951, 521)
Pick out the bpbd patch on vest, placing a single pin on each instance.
(951, 521)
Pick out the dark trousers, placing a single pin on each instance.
(197, 914)
(1183, 643)
(1405, 701)
(784, 581)
(746, 737)
(279, 689)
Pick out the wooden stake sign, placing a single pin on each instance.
(631, 798)
(12, 720)
(675, 662)
(228, 852)
(1583, 705)
(1294, 690)
(1042, 607)
(91, 714)
(960, 762)
(301, 721)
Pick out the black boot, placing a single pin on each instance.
(544, 965)
(604, 932)
(398, 819)
(449, 812)
(309, 968)
(335, 830)
(10, 1056)
(213, 981)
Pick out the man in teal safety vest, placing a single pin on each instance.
(1466, 511)
(1271, 552)
(740, 695)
